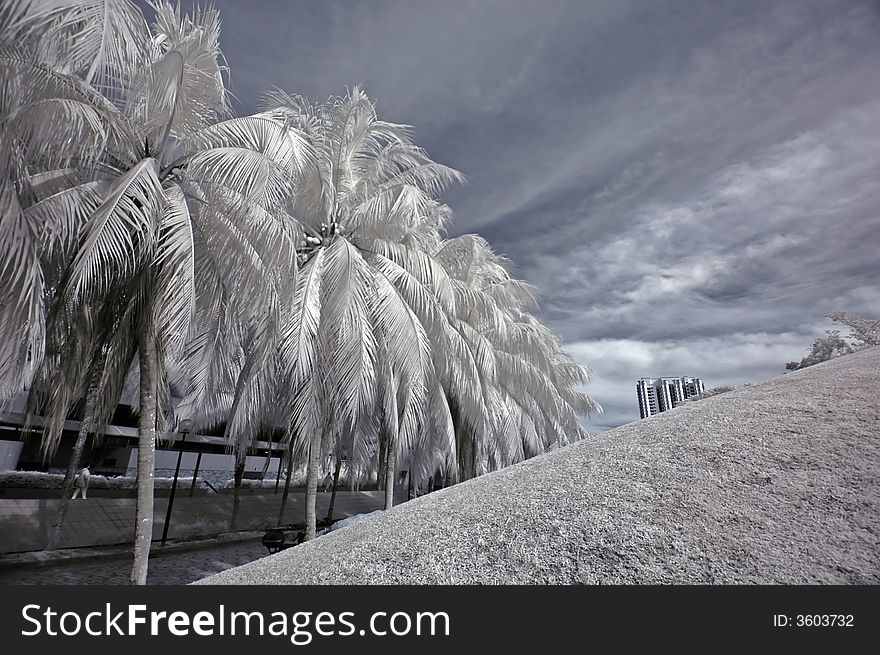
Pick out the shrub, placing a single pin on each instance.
(201, 528)
(40, 480)
(260, 525)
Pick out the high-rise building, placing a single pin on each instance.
(659, 394)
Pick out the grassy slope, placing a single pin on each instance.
(771, 483)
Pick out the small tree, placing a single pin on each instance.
(828, 347)
(864, 332)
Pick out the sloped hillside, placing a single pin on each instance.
(772, 483)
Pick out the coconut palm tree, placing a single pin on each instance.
(352, 340)
(386, 192)
(509, 385)
(53, 133)
(181, 217)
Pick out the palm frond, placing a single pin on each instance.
(120, 235)
(117, 356)
(298, 348)
(252, 174)
(104, 40)
(419, 299)
(174, 265)
(22, 285)
(423, 268)
(59, 120)
(185, 88)
(288, 148)
(347, 341)
(298, 341)
(61, 218)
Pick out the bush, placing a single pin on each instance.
(260, 525)
(295, 481)
(864, 331)
(828, 347)
(201, 528)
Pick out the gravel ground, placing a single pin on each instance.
(771, 483)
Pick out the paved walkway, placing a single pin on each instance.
(25, 523)
(164, 568)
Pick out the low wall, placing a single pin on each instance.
(24, 492)
(167, 459)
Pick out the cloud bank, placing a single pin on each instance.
(690, 185)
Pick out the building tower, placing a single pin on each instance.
(661, 394)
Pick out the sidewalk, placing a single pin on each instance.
(65, 556)
(179, 564)
(100, 522)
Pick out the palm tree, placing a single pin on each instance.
(509, 386)
(180, 219)
(53, 132)
(352, 340)
(374, 192)
(51, 128)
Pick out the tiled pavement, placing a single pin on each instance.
(25, 523)
(164, 568)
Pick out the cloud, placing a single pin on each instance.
(754, 246)
(691, 186)
(696, 95)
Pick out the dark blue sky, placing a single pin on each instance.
(691, 185)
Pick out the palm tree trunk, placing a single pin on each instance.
(471, 451)
(240, 454)
(75, 458)
(464, 446)
(466, 454)
(464, 459)
(335, 483)
(390, 470)
(67, 486)
(268, 458)
(287, 481)
(383, 460)
(146, 459)
(312, 485)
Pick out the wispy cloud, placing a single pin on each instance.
(752, 246)
(691, 183)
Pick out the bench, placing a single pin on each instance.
(275, 540)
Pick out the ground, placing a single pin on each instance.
(167, 568)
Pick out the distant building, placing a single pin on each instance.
(659, 394)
